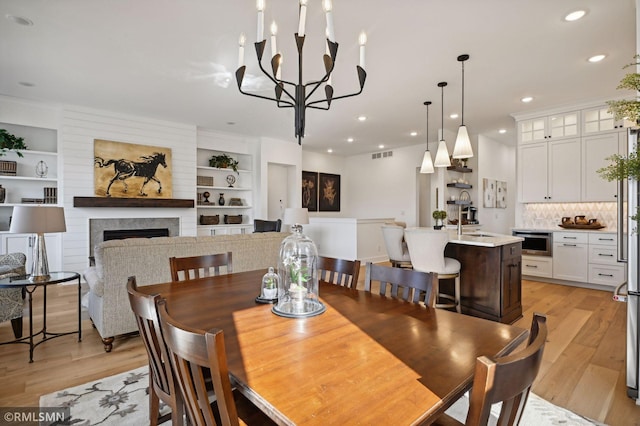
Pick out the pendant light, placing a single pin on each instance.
(462, 148)
(442, 156)
(427, 164)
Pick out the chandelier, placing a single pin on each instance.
(297, 95)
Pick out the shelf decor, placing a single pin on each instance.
(126, 164)
(223, 161)
(9, 142)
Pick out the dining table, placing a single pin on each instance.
(368, 359)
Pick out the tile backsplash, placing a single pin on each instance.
(549, 215)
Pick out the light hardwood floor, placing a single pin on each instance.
(583, 367)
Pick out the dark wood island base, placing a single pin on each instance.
(490, 280)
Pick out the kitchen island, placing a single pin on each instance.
(490, 275)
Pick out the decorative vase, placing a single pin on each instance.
(221, 199)
(3, 194)
(298, 295)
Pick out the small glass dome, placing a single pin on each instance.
(269, 289)
(297, 268)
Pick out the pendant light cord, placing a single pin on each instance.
(462, 113)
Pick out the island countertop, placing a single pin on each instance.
(482, 239)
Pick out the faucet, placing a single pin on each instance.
(464, 196)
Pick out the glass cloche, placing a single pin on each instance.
(269, 289)
(297, 268)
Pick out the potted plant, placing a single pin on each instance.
(625, 167)
(223, 161)
(9, 142)
(439, 216)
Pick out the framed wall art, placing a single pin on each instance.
(501, 194)
(329, 192)
(310, 191)
(126, 170)
(489, 193)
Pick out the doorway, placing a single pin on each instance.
(423, 198)
(278, 189)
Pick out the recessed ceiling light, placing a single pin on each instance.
(414, 133)
(231, 123)
(454, 115)
(575, 15)
(330, 150)
(362, 118)
(349, 140)
(597, 58)
(26, 84)
(502, 131)
(380, 146)
(526, 99)
(19, 20)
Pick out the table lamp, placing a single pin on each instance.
(38, 220)
(296, 217)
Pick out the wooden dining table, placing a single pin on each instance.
(368, 359)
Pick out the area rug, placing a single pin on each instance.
(123, 399)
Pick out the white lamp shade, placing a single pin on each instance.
(462, 148)
(37, 220)
(295, 216)
(427, 163)
(442, 156)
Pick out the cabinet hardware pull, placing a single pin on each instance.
(605, 255)
(605, 239)
(569, 238)
(570, 245)
(606, 275)
(531, 266)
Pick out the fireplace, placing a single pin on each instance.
(119, 228)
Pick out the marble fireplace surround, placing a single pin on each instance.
(98, 226)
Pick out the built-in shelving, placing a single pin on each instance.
(460, 169)
(460, 185)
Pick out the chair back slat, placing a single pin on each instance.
(189, 268)
(192, 353)
(162, 381)
(339, 271)
(415, 286)
(507, 379)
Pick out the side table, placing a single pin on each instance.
(30, 287)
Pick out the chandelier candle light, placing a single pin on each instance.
(442, 155)
(299, 98)
(427, 163)
(462, 148)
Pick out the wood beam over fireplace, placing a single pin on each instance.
(132, 202)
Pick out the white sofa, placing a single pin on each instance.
(148, 260)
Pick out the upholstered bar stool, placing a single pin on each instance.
(396, 247)
(426, 248)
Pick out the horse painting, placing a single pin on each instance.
(125, 169)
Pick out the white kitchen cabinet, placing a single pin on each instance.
(537, 266)
(550, 127)
(604, 268)
(598, 120)
(570, 256)
(23, 243)
(549, 171)
(595, 151)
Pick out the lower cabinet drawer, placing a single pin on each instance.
(537, 266)
(603, 254)
(607, 275)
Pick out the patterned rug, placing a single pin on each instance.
(123, 400)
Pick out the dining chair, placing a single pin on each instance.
(416, 286)
(506, 379)
(338, 271)
(195, 355)
(426, 248)
(191, 266)
(397, 251)
(260, 225)
(162, 385)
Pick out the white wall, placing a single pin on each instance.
(496, 161)
(80, 126)
(384, 187)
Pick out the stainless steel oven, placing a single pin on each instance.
(536, 243)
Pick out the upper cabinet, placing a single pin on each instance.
(598, 120)
(549, 127)
(559, 154)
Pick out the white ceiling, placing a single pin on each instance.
(175, 60)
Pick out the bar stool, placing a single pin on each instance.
(395, 245)
(426, 248)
